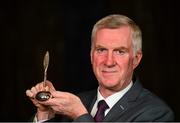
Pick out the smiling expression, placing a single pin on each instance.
(112, 58)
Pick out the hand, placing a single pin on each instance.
(66, 103)
(43, 112)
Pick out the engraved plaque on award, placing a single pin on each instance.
(44, 95)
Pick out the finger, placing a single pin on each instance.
(50, 85)
(47, 88)
(41, 86)
(38, 105)
(57, 94)
(34, 90)
(29, 93)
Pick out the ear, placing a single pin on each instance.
(137, 59)
(91, 56)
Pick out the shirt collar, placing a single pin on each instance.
(113, 99)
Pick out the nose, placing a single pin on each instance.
(109, 60)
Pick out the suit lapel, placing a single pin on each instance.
(116, 111)
(93, 102)
(124, 103)
(88, 99)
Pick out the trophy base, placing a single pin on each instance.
(43, 95)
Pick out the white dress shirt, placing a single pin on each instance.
(111, 100)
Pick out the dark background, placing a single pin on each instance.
(30, 27)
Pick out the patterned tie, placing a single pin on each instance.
(102, 106)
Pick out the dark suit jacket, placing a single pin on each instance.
(137, 105)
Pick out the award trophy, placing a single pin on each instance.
(44, 95)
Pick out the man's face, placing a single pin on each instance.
(112, 58)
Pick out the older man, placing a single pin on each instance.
(116, 50)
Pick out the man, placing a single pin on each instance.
(115, 52)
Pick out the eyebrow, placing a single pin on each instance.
(121, 48)
(99, 46)
(116, 48)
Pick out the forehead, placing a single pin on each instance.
(114, 37)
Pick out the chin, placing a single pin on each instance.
(110, 83)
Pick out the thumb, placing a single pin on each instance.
(50, 86)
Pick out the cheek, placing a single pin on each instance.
(124, 63)
(97, 60)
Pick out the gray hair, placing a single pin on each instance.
(116, 21)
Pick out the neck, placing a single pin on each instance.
(106, 91)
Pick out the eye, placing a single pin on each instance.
(100, 50)
(120, 52)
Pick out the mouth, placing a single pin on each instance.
(109, 71)
(109, 74)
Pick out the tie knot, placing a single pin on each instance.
(102, 105)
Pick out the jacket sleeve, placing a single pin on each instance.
(84, 118)
(156, 114)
